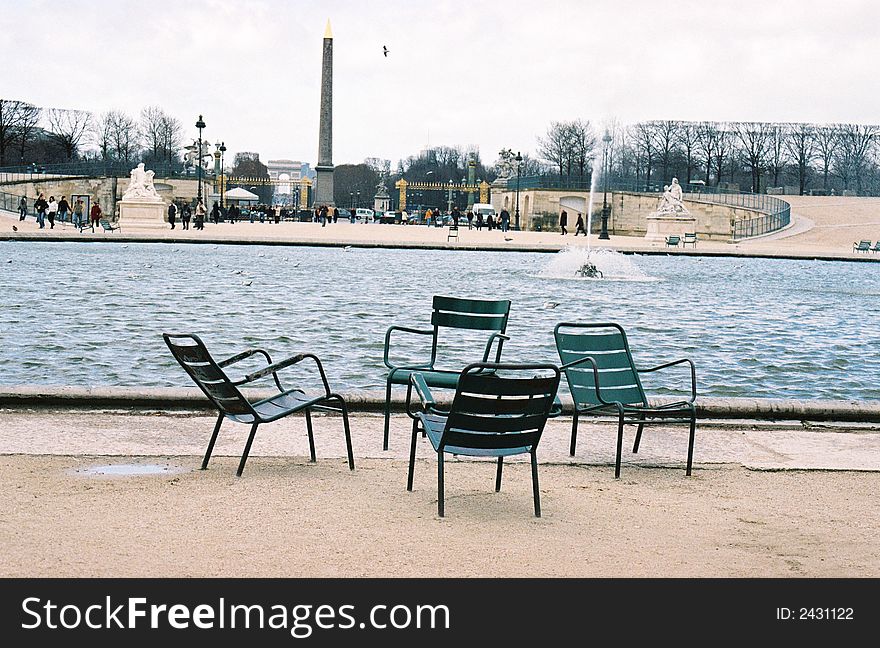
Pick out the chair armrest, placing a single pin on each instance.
(241, 356)
(502, 338)
(595, 367)
(405, 329)
(274, 368)
(677, 362)
(424, 393)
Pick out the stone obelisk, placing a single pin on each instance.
(324, 189)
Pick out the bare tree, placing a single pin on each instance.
(801, 144)
(554, 147)
(67, 128)
(856, 144)
(30, 119)
(754, 137)
(152, 118)
(101, 129)
(171, 130)
(643, 136)
(776, 150)
(724, 149)
(707, 140)
(665, 134)
(583, 145)
(827, 142)
(689, 136)
(10, 122)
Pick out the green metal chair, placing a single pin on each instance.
(499, 410)
(673, 241)
(603, 380)
(448, 313)
(191, 353)
(876, 247)
(862, 246)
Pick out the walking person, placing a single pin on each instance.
(579, 226)
(479, 221)
(563, 221)
(51, 210)
(201, 212)
(470, 218)
(215, 214)
(505, 220)
(185, 215)
(95, 214)
(22, 208)
(325, 214)
(335, 214)
(490, 221)
(63, 209)
(172, 214)
(78, 208)
(40, 206)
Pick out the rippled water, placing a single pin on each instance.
(93, 314)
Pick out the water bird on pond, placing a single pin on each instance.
(248, 283)
(347, 247)
(551, 304)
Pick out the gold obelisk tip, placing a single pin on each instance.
(327, 32)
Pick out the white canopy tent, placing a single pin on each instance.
(239, 196)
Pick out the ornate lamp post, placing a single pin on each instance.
(518, 159)
(200, 124)
(606, 140)
(449, 197)
(222, 175)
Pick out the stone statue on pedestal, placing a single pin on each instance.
(671, 200)
(141, 187)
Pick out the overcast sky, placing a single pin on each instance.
(489, 73)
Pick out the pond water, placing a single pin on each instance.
(92, 314)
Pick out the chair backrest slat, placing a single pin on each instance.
(501, 406)
(191, 353)
(606, 344)
(476, 314)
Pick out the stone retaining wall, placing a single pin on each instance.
(186, 398)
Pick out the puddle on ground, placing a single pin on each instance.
(128, 470)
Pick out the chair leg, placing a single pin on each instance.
(638, 438)
(691, 442)
(535, 484)
(412, 455)
(311, 436)
(574, 432)
(498, 474)
(347, 427)
(619, 444)
(247, 449)
(441, 511)
(212, 441)
(387, 413)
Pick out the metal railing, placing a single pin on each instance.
(776, 212)
(92, 168)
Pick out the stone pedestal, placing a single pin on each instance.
(659, 226)
(142, 213)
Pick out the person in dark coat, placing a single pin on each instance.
(563, 221)
(579, 226)
(172, 214)
(185, 215)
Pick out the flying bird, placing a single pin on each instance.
(385, 51)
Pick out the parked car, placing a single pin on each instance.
(390, 216)
(365, 215)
